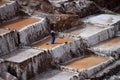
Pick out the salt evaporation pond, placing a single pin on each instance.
(86, 62)
(21, 55)
(24, 63)
(45, 44)
(111, 43)
(20, 23)
(87, 30)
(103, 19)
(110, 47)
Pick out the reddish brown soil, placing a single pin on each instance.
(3, 2)
(20, 23)
(46, 43)
(112, 42)
(86, 62)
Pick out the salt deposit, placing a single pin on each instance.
(8, 41)
(103, 19)
(54, 75)
(34, 32)
(56, 2)
(109, 47)
(8, 10)
(76, 54)
(67, 49)
(30, 29)
(88, 68)
(26, 62)
(93, 33)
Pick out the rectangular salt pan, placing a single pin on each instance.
(111, 43)
(20, 23)
(88, 30)
(86, 62)
(45, 44)
(21, 55)
(103, 19)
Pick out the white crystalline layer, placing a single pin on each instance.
(56, 2)
(54, 75)
(113, 50)
(99, 36)
(79, 4)
(24, 54)
(113, 66)
(3, 68)
(1, 78)
(107, 51)
(34, 32)
(115, 77)
(103, 19)
(8, 42)
(64, 52)
(93, 33)
(33, 62)
(8, 76)
(8, 10)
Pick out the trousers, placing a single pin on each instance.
(52, 39)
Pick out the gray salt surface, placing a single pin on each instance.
(103, 19)
(21, 55)
(88, 30)
(54, 75)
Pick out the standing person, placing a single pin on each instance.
(53, 36)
